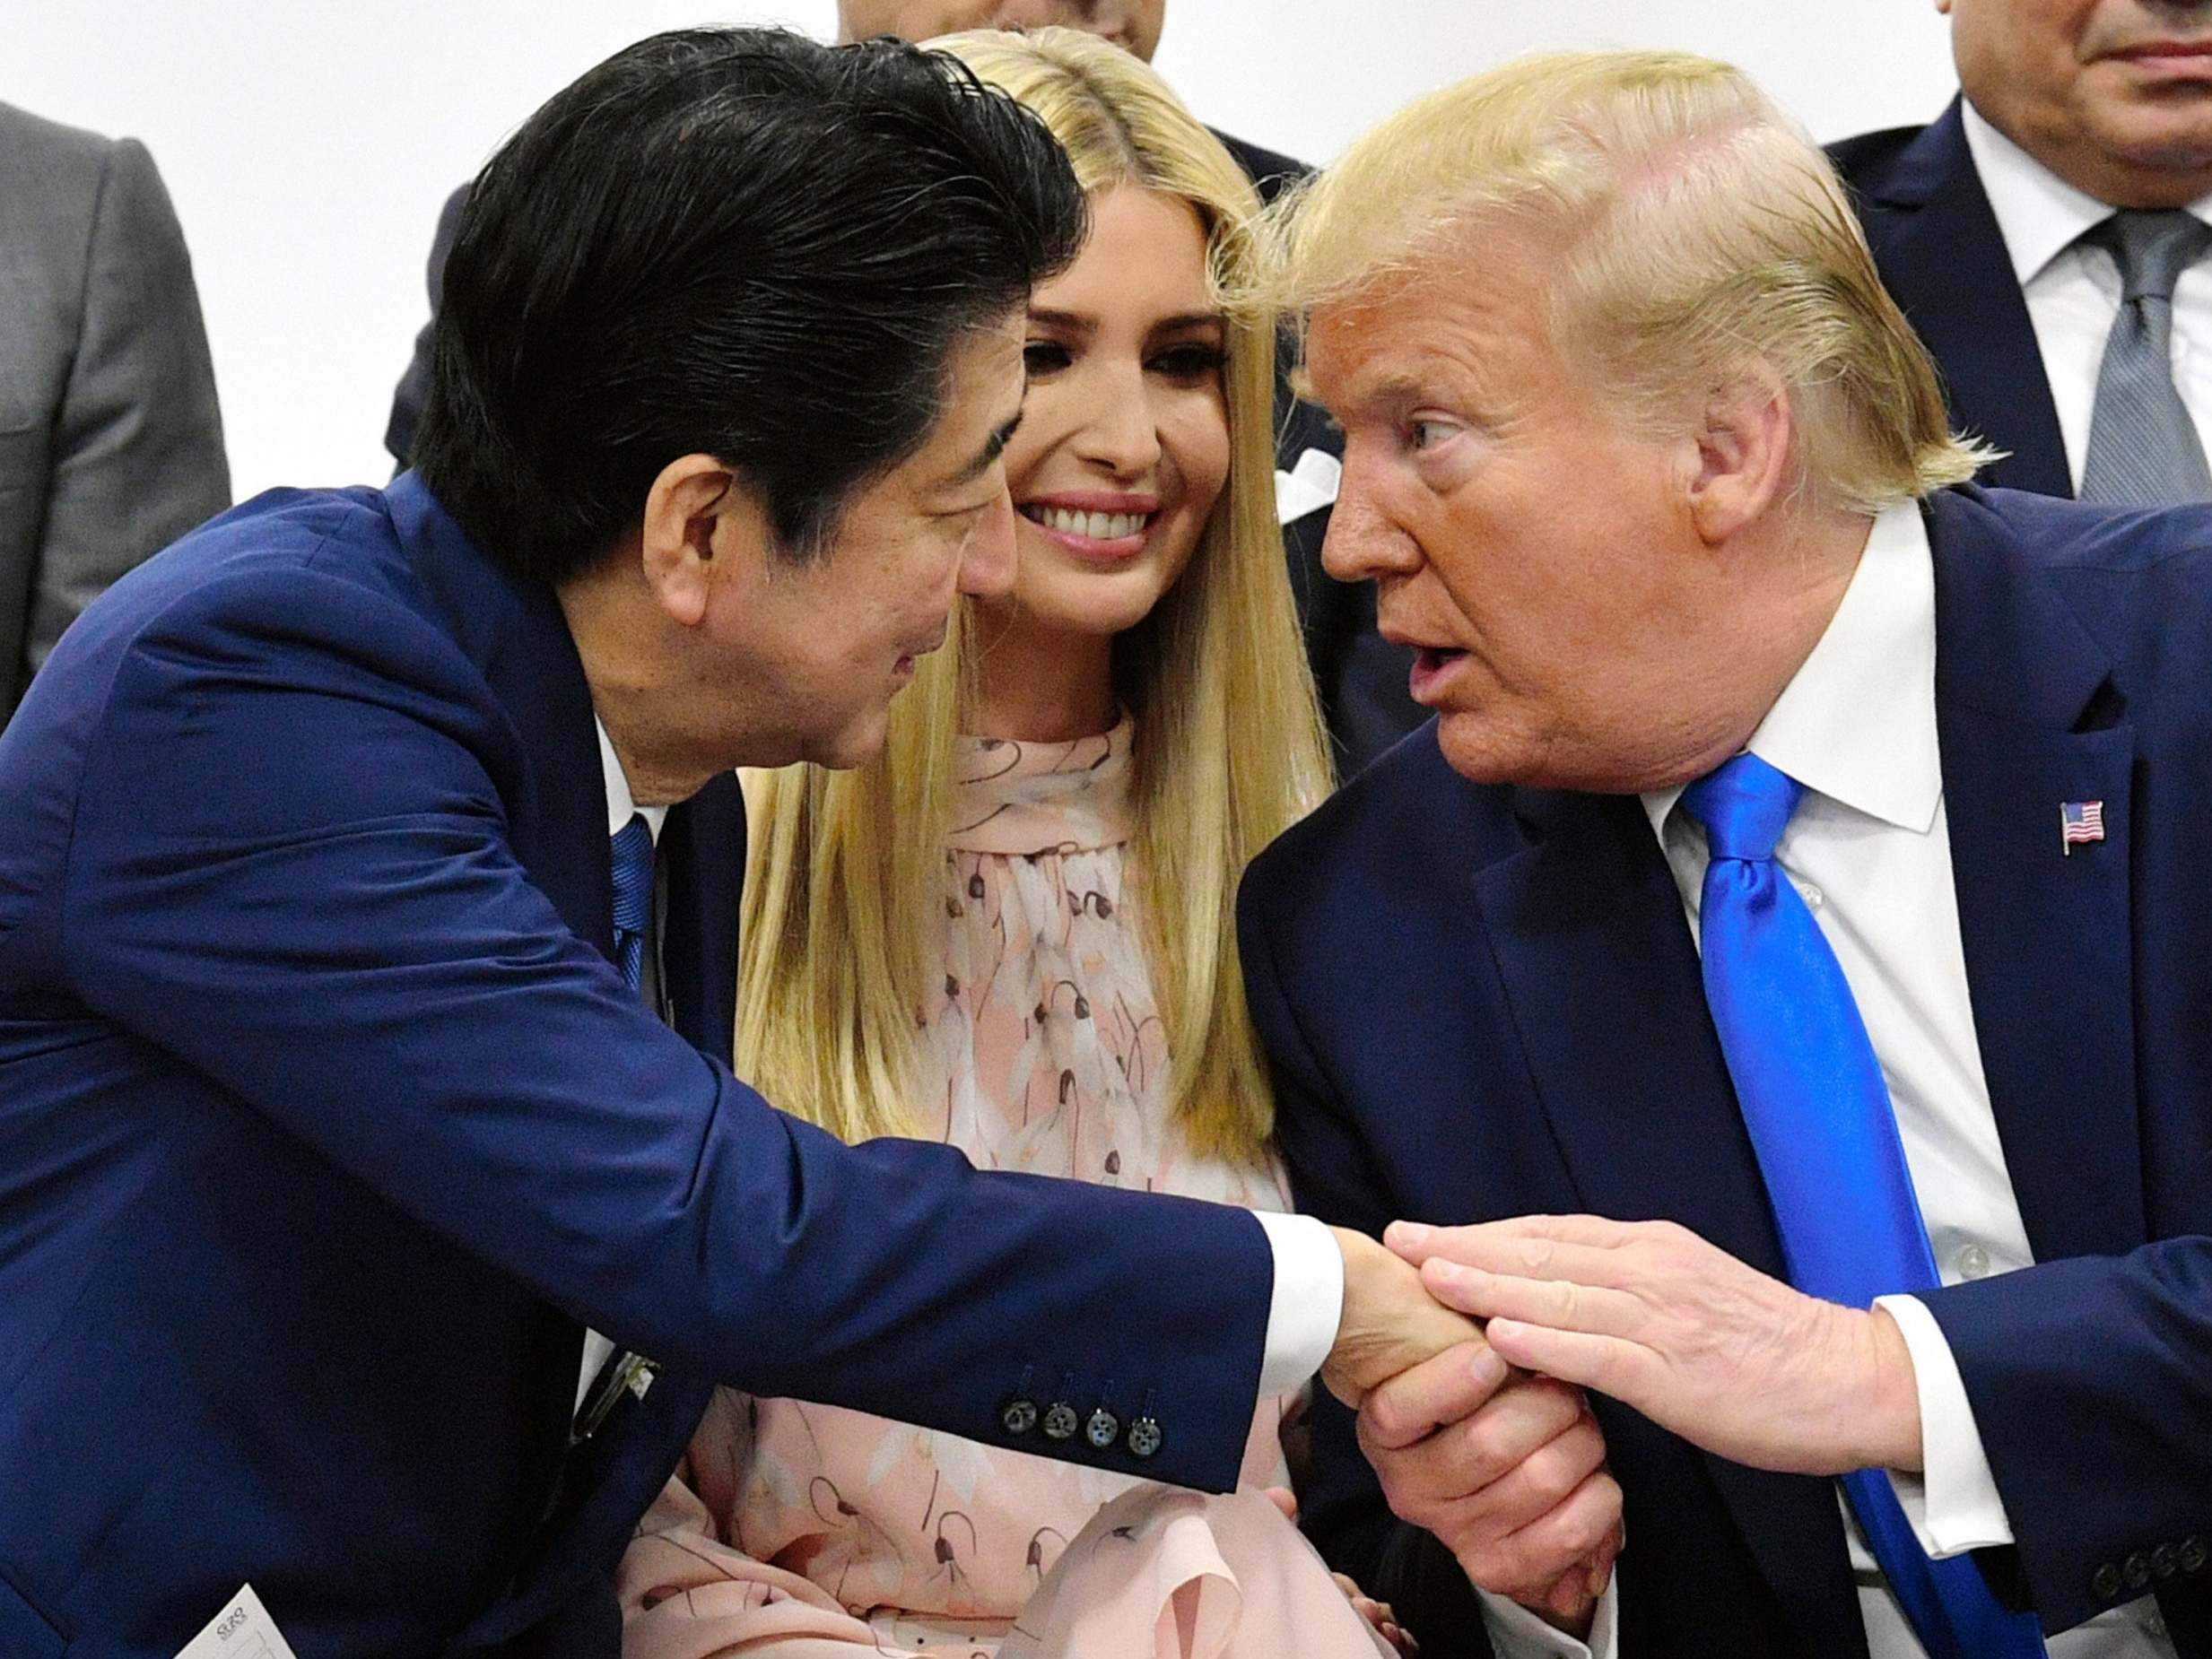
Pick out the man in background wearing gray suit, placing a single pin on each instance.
(110, 443)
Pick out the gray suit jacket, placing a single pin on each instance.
(111, 444)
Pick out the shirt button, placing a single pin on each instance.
(1813, 898)
(1103, 1430)
(1973, 1263)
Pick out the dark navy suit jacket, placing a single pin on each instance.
(1484, 1002)
(326, 1121)
(1941, 254)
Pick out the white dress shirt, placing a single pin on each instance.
(1307, 1300)
(2073, 292)
(1869, 851)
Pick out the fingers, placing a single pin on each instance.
(1379, 1615)
(1562, 1303)
(1284, 1499)
(1458, 1478)
(1417, 1241)
(1601, 1569)
(1609, 1364)
(1529, 1563)
(1441, 1389)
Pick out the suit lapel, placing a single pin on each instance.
(2025, 722)
(1944, 258)
(1604, 984)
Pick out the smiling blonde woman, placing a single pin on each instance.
(1015, 932)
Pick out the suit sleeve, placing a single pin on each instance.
(2091, 1381)
(1332, 1176)
(292, 871)
(138, 441)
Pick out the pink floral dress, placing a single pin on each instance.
(796, 1531)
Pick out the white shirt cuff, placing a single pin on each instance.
(1953, 1505)
(1516, 1633)
(1307, 1303)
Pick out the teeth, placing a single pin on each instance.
(1095, 526)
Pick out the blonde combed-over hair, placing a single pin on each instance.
(846, 873)
(1692, 230)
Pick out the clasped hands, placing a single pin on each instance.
(1484, 1437)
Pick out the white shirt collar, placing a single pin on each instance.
(1857, 722)
(2038, 213)
(620, 803)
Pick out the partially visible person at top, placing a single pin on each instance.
(2046, 238)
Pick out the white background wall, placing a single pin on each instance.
(309, 144)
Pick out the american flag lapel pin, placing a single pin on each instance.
(2080, 822)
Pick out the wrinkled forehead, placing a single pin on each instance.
(1475, 314)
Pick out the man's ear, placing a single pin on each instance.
(701, 520)
(1743, 442)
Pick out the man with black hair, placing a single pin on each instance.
(1361, 676)
(367, 900)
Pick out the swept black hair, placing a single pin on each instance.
(735, 242)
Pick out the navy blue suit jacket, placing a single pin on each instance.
(326, 1121)
(1484, 1002)
(1941, 255)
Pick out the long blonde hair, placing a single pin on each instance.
(846, 873)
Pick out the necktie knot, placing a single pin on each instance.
(1745, 805)
(2151, 250)
(633, 877)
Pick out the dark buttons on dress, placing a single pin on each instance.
(1144, 1437)
(1103, 1430)
(2162, 1566)
(2136, 1570)
(2104, 1583)
(1018, 1417)
(2192, 1558)
(1059, 1420)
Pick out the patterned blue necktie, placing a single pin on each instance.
(1818, 1112)
(633, 896)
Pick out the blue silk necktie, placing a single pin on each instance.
(1818, 1112)
(633, 896)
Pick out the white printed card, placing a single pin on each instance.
(242, 1630)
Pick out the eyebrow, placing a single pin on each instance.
(993, 448)
(1385, 390)
(1078, 323)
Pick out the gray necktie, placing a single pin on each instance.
(2143, 446)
